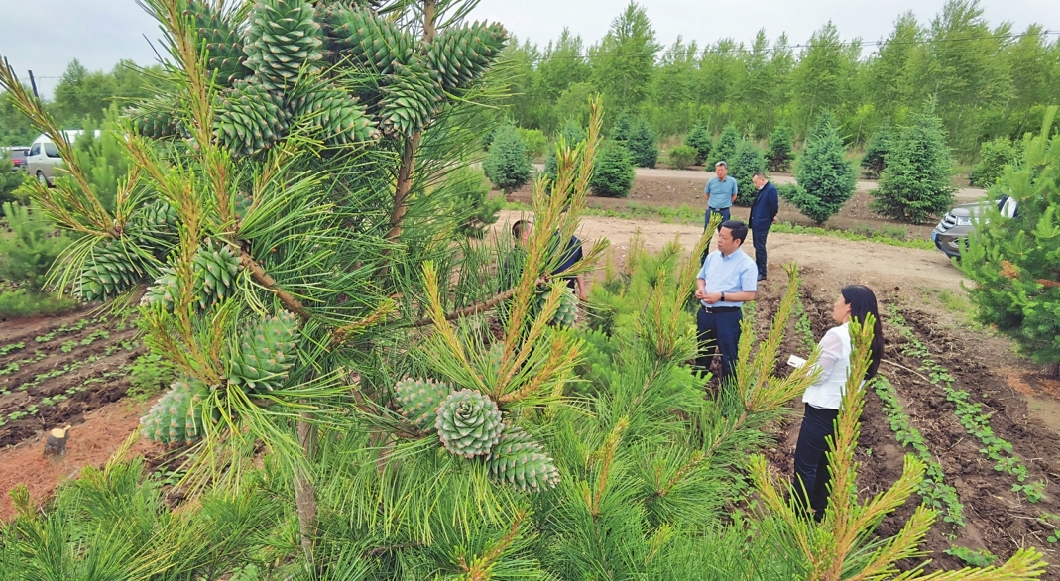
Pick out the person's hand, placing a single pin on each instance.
(701, 295)
(582, 295)
(712, 298)
(774, 219)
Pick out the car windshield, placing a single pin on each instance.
(50, 150)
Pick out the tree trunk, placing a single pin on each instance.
(56, 443)
(305, 501)
(1052, 370)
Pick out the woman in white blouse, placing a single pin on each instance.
(823, 397)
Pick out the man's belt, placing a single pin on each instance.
(720, 309)
(713, 209)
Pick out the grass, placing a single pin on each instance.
(685, 214)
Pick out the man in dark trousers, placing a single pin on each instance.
(727, 280)
(763, 215)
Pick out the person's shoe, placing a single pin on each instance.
(761, 277)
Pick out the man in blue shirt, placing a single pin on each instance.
(728, 279)
(721, 194)
(763, 214)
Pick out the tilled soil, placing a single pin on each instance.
(996, 519)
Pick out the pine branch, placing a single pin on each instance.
(265, 279)
(478, 307)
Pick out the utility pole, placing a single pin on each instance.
(33, 82)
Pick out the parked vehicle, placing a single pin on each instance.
(951, 234)
(43, 158)
(17, 155)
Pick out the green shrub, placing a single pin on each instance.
(572, 132)
(917, 181)
(642, 145)
(535, 141)
(699, 140)
(787, 192)
(27, 255)
(993, 157)
(749, 159)
(613, 171)
(10, 180)
(473, 207)
(102, 158)
(725, 150)
(487, 139)
(507, 165)
(825, 179)
(875, 159)
(622, 130)
(780, 154)
(682, 156)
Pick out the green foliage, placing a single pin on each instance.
(875, 159)
(825, 178)
(25, 303)
(725, 148)
(700, 140)
(972, 557)
(681, 157)
(149, 375)
(917, 181)
(780, 154)
(749, 158)
(473, 208)
(507, 164)
(1013, 260)
(613, 171)
(622, 130)
(642, 145)
(27, 255)
(102, 157)
(535, 141)
(994, 157)
(10, 180)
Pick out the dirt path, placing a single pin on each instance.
(841, 262)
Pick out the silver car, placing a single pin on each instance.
(42, 160)
(951, 235)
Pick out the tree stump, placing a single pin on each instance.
(56, 443)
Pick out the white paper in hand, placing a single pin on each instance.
(796, 362)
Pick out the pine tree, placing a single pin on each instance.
(749, 159)
(875, 159)
(9, 180)
(1014, 259)
(825, 179)
(699, 140)
(613, 171)
(725, 149)
(780, 154)
(507, 164)
(622, 131)
(994, 156)
(27, 255)
(642, 145)
(917, 181)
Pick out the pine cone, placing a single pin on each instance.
(154, 226)
(566, 314)
(223, 42)
(216, 268)
(369, 41)
(163, 292)
(419, 399)
(462, 55)
(519, 461)
(266, 353)
(334, 112)
(109, 271)
(283, 41)
(468, 423)
(249, 119)
(177, 418)
(410, 101)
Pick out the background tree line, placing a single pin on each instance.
(985, 81)
(81, 94)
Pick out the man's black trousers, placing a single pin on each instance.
(759, 236)
(721, 329)
(811, 465)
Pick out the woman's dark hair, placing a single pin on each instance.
(520, 227)
(862, 301)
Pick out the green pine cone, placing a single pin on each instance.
(109, 271)
(468, 423)
(216, 268)
(154, 226)
(155, 123)
(265, 354)
(335, 113)
(243, 202)
(410, 101)
(249, 118)
(177, 418)
(418, 400)
(566, 314)
(283, 41)
(462, 55)
(163, 292)
(222, 41)
(519, 461)
(370, 42)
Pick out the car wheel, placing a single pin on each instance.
(43, 179)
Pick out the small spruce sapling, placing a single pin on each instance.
(507, 165)
(780, 154)
(825, 179)
(918, 179)
(699, 140)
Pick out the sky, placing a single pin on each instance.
(44, 35)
